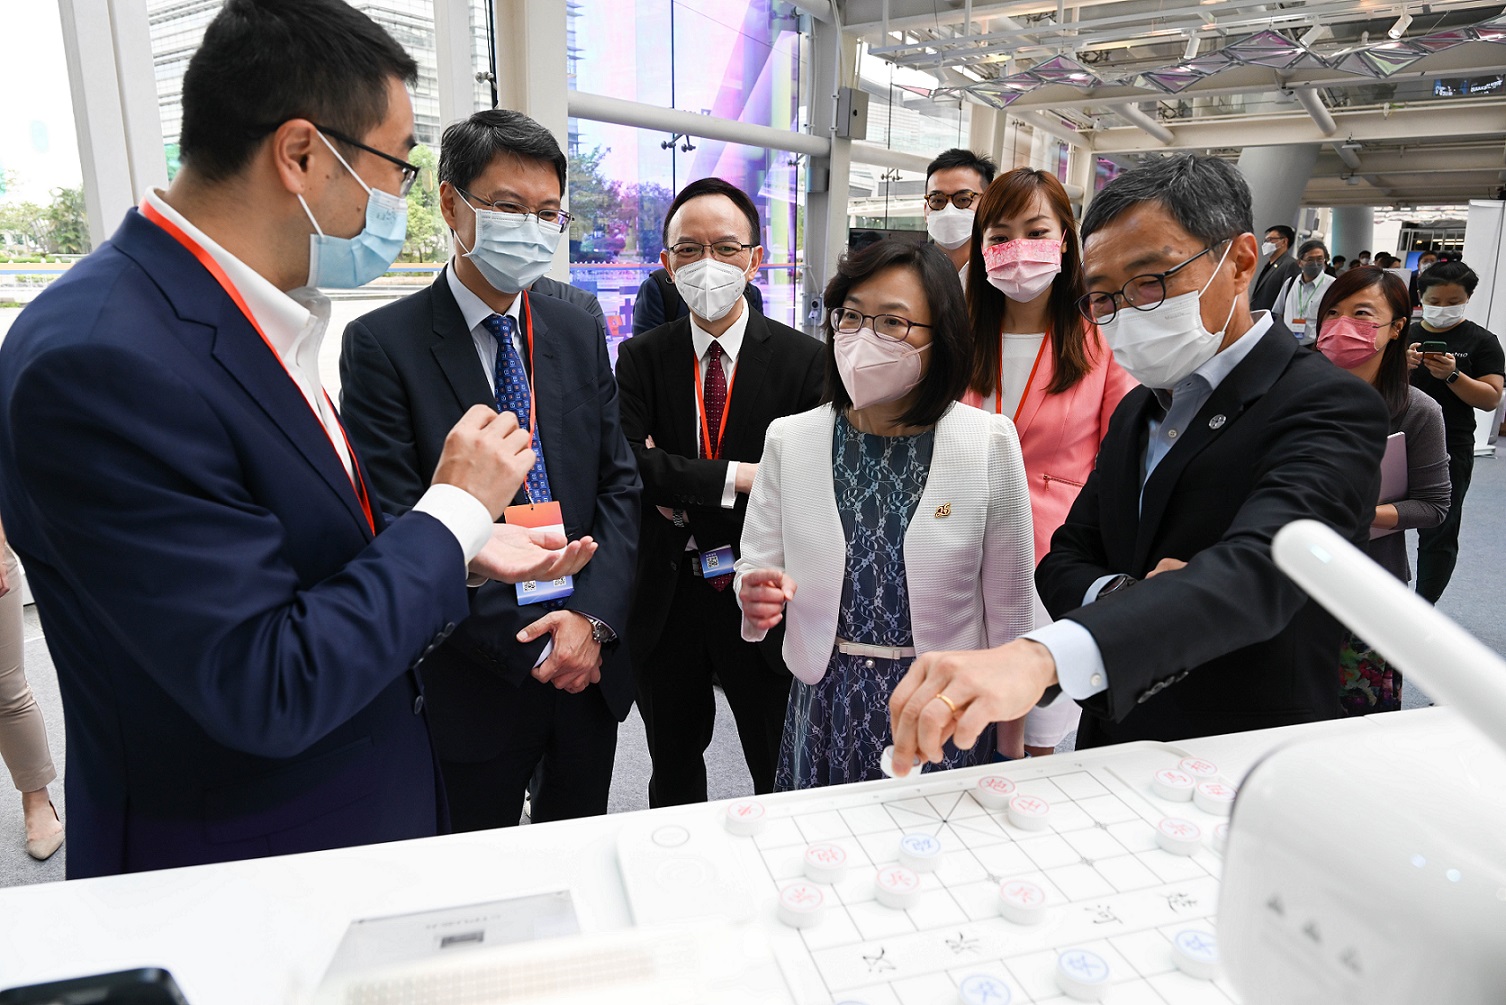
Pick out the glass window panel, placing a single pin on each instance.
(741, 62)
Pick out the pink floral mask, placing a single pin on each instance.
(1022, 270)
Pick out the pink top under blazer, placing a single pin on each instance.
(1060, 433)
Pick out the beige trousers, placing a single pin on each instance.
(23, 737)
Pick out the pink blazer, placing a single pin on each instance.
(1060, 434)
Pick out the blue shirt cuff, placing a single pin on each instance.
(1079, 664)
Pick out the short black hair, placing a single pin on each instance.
(716, 186)
(469, 146)
(951, 342)
(1339, 260)
(263, 62)
(957, 157)
(1363, 254)
(1447, 273)
(1286, 232)
(1206, 196)
(1312, 244)
(1426, 252)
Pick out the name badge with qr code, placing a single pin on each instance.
(540, 516)
(717, 562)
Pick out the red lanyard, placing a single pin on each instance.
(700, 400)
(999, 396)
(207, 260)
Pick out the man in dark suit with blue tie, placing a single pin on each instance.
(238, 630)
(522, 685)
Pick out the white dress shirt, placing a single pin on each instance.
(294, 324)
(1079, 661)
(476, 311)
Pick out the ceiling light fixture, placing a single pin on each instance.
(1403, 22)
(1192, 46)
(1316, 34)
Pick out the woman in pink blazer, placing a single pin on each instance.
(1036, 361)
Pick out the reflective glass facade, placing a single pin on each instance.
(737, 60)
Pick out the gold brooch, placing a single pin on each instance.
(944, 510)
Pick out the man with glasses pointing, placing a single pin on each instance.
(537, 677)
(1174, 621)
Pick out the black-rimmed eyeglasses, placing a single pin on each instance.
(885, 326)
(410, 171)
(1143, 293)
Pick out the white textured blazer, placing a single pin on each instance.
(969, 551)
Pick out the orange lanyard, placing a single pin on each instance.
(700, 400)
(999, 395)
(533, 400)
(357, 481)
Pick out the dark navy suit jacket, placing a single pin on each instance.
(409, 371)
(236, 653)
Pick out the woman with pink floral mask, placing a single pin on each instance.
(1360, 322)
(890, 521)
(1036, 361)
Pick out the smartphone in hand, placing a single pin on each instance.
(145, 986)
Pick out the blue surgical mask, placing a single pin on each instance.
(345, 263)
(512, 249)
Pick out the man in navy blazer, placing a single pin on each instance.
(519, 687)
(238, 633)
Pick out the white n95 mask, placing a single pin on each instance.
(950, 227)
(1161, 348)
(709, 287)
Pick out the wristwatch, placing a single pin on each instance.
(1451, 377)
(601, 634)
(1115, 585)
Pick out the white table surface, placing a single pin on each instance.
(263, 931)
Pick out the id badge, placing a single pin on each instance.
(1299, 327)
(717, 562)
(540, 515)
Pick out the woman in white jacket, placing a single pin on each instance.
(887, 522)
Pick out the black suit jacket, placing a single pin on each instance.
(1271, 279)
(409, 370)
(1228, 643)
(779, 372)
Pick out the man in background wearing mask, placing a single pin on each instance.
(538, 675)
(1425, 261)
(237, 626)
(1175, 621)
(955, 181)
(1279, 267)
(698, 395)
(1299, 298)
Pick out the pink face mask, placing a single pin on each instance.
(1022, 270)
(876, 370)
(1348, 342)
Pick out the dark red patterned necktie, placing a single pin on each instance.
(715, 390)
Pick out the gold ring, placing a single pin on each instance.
(949, 703)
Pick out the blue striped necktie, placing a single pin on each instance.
(511, 386)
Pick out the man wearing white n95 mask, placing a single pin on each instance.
(955, 181)
(537, 678)
(1173, 619)
(698, 394)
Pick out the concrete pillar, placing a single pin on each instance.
(108, 48)
(532, 76)
(1353, 231)
(832, 59)
(1277, 177)
(983, 125)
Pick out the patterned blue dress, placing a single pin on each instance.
(835, 729)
